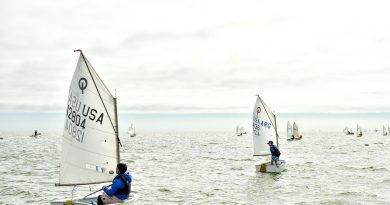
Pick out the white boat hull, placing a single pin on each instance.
(89, 201)
(268, 168)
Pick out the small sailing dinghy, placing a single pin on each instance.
(359, 132)
(296, 134)
(290, 136)
(348, 131)
(90, 142)
(131, 131)
(384, 131)
(238, 132)
(264, 130)
(242, 130)
(388, 129)
(36, 134)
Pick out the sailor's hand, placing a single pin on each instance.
(104, 187)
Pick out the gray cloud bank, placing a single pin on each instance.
(206, 56)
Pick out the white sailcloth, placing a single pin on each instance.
(89, 143)
(289, 130)
(346, 129)
(242, 130)
(384, 131)
(295, 130)
(263, 128)
(131, 130)
(359, 131)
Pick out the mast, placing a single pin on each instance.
(116, 131)
(276, 130)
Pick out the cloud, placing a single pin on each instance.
(199, 56)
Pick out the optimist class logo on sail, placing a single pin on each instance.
(79, 113)
(257, 123)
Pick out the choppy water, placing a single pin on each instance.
(213, 168)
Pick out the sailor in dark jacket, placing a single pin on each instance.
(274, 152)
(120, 189)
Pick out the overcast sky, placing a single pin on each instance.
(200, 56)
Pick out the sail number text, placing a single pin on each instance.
(257, 124)
(75, 125)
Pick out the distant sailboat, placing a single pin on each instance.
(240, 131)
(384, 132)
(290, 135)
(296, 134)
(359, 132)
(388, 129)
(131, 131)
(90, 140)
(264, 130)
(36, 134)
(348, 131)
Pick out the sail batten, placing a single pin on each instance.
(89, 152)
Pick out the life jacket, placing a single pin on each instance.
(126, 189)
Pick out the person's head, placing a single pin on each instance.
(270, 143)
(121, 168)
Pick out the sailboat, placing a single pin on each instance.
(238, 131)
(131, 131)
(388, 129)
(348, 131)
(290, 136)
(36, 134)
(359, 132)
(90, 140)
(264, 130)
(296, 134)
(384, 132)
(242, 130)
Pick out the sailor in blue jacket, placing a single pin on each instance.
(274, 152)
(120, 189)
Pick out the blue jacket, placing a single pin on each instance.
(118, 183)
(274, 151)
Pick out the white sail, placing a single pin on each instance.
(89, 142)
(359, 132)
(388, 129)
(242, 130)
(295, 131)
(131, 130)
(346, 129)
(384, 131)
(237, 130)
(289, 130)
(263, 128)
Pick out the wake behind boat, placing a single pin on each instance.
(264, 130)
(90, 141)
